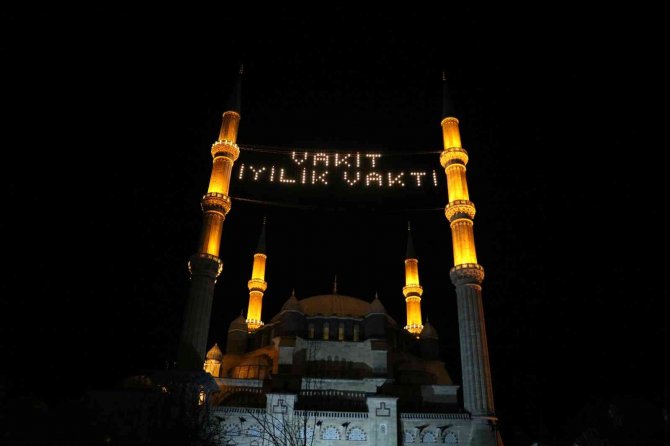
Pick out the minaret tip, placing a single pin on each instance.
(235, 100)
(292, 292)
(376, 294)
(260, 248)
(410, 254)
(335, 285)
(447, 106)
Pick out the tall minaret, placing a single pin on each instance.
(257, 285)
(466, 275)
(205, 265)
(412, 289)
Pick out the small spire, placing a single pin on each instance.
(447, 106)
(410, 244)
(335, 285)
(235, 100)
(376, 295)
(260, 248)
(293, 292)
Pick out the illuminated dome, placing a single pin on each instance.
(335, 305)
(215, 353)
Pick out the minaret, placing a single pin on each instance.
(205, 265)
(257, 285)
(466, 275)
(412, 289)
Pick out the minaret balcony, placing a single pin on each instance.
(460, 209)
(467, 274)
(453, 155)
(215, 202)
(412, 291)
(257, 285)
(225, 148)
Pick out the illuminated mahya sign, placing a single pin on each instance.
(348, 169)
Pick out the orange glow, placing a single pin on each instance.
(219, 181)
(213, 367)
(254, 311)
(229, 126)
(463, 240)
(211, 233)
(414, 315)
(457, 185)
(413, 291)
(258, 271)
(451, 133)
(411, 272)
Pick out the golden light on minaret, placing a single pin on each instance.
(257, 285)
(205, 265)
(466, 275)
(412, 289)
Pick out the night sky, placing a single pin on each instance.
(110, 115)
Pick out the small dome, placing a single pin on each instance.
(429, 332)
(376, 306)
(239, 324)
(215, 353)
(291, 304)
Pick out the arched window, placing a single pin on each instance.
(305, 431)
(340, 332)
(356, 332)
(356, 434)
(409, 437)
(310, 330)
(428, 437)
(330, 433)
(450, 438)
(202, 397)
(326, 331)
(254, 431)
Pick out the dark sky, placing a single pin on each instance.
(112, 113)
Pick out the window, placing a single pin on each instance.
(330, 433)
(340, 332)
(326, 331)
(409, 438)
(202, 397)
(428, 437)
(451, 438)
(356, 328)
(356, 434)
(310, 330)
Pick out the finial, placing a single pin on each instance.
(410, 254)
(260, 248)
(376, 295)
(293, 292)
(447, 106)
(335, 285)
(241, 69)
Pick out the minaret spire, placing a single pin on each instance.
(205, 265)
(257, 285)
(467, 276)
(412, 289)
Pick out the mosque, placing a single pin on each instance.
(335, 369)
